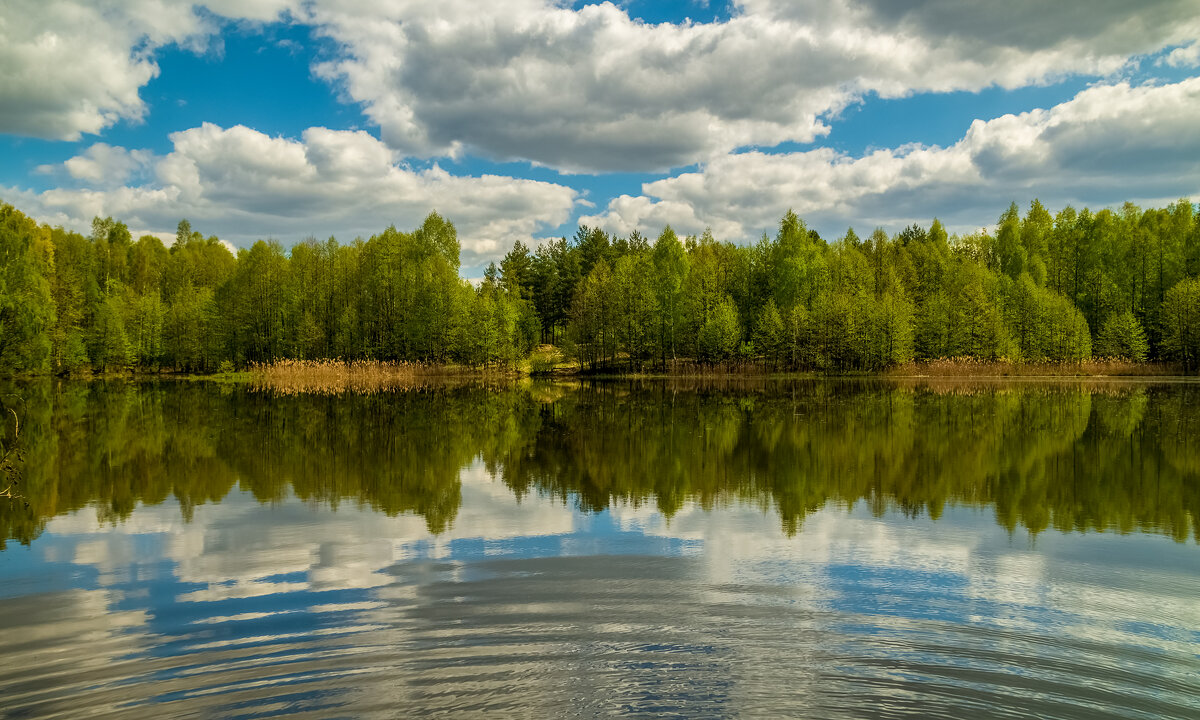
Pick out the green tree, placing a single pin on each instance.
(189, 341)
(255, 303)
(593, 246)
(595, 318)
(1024, 307)
(516, 271)
(144, 315)
(439, 236)
(892, 337)
(1181, 323)
(110, 345)
(27, 315)
(1036, 228)
(721, 333)
(1010, 252)
(75, 294)
(1122, 337)
(637, 304)
(671, 269)
(769, 333)
(797, 264)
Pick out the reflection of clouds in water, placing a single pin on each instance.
(1012, 581)
(67, 642)
(241, 548)
(716, 611)
(740, 535)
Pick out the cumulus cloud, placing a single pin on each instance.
(593, 89)
(1108, 144)
(104, 164)
(243, 185)
(588, 88)
(1184, 57)
(1097, 28)
(69, 67)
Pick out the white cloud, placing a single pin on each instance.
(69, 67)
(243, 185)
(1108, 144)
(592, 89)
(589, 88)
(1187, 56)
(104, 164)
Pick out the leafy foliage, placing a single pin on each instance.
(1122, 337)
(1181, 323)
(1035, 292)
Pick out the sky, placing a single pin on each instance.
(520, 120)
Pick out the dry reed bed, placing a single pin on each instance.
(332, 377)
(335, 377)
(1027, 385)
(974, 367)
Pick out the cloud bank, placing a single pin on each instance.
(1109, 144)
(243, 185)
(69, 67)
(589, 88)
(592, 89)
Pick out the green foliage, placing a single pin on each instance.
(27, 314)
(110, 344)
(1181, 323)
(1044, 325)
(494, 329)
(516, 271)
(637, 303)
(670, 267)
(189, 326)
(1010, 253)
(721, 333)
(1034, 292)
(891, 334)
(1122, 337)
(769, 333)
(595, 322)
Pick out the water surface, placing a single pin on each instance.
(812, 548)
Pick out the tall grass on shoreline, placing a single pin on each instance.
(367, 376)
(975, 367)
(334, 377)
(938, 368)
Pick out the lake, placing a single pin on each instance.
(807, 548)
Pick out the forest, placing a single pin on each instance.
(1039, 287)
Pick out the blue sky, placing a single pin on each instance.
(520, 120)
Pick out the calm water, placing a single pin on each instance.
(813, 549)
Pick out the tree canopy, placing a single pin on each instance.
(1056, 288)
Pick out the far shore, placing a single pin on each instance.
(336, 375)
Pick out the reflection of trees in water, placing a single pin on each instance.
(1064, 456)
(115, 445)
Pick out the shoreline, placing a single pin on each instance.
(362, 374)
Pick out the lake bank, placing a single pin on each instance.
(335, 376)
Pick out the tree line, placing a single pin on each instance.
(1059, 288)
